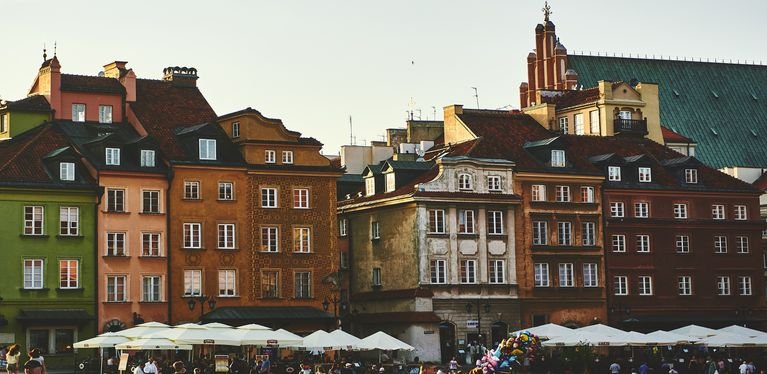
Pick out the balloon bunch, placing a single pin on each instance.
(510, 353)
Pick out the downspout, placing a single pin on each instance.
(99, 196)
(167, 243)
(604, 248)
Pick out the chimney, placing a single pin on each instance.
(115, 69)
(126, 77)
(606, 89)
(571, 79)
(523, 95)
(48, 84)
(180, 76)
(531, 77)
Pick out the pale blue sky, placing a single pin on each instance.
(315, 63)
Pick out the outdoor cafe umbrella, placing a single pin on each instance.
(153, 343)
(105, 340)
(195, 334)
(343, 340)
(576, 338)
(602, 330)
(740, 330)
(695, 331)
(669, 338)
(144, 329)
(384, 342)
(547, 331)
(725, 339)
(260, 337)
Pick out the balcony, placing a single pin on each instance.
(630, 126)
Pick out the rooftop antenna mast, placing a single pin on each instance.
(476, 96)
(351, 131)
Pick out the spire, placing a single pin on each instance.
(546, 11)
(54, 48)
(45, 56)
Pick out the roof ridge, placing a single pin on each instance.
(24, 148)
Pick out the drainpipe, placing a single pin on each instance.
(99, 196)
(604, 249)
(168, 287)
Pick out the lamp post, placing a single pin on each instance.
(192, 301)
(621, 312)
(470, 307)
(335, 301)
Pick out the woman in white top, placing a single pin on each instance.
(12, 357)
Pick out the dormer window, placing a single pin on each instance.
(614, 173)
(390, 185)
(691, 176)
(557, 158)
(207, 149)
(147, 158)
(67, 171)
(78, 112)
(105, 114)
(493, 183)
(563, 125)
(465, 182)
(235, 129)
(112, 156)
(645, 175)
(370, 186)
(270, 157)
(287, 157)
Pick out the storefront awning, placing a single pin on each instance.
(265, 313)
(54, 316)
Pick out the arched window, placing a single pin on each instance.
(465, 182)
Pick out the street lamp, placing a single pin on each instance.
(335, 301)
(469, 308)
(192, 301)
(621, 313)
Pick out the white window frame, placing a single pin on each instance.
(563, 127)
(227, 236)
(540, 233)
(468, 271)
(115, 203)
(343, 226)
(720, 244)
(112, 156)
(227, 283)
(619, 243)
(643, 243)
(270, 239)
(684, 285)
(287, 157)
(538, 192)
(225, 191)
(745, 286)
(541, 278)
(105, 114)
(377, 277)
(147, 158)
(438, 271)
(497, 271)
(587, 194)
(465, 182)
(34, 220)
(370, 186)
(193, 285)
(78, 112)
(151, 207)
(616, 209)
(614, 173)
(391, 184)
(116, 243)
(119, 283)
(192, 190)
(192, 235)
(302, 284)
(235, 130)
(436, 221)
(375, 230)
(642, 210)
(579, 124)
(645, 174)
(562, 194)
(620, 285)
(590, 275)
(151, 244)
(723, 286)
(207, 149)
(741, 244)
(594, 126)
(151, 288)
(270, 156)
(67, 171)
(302, 240)
(558, 159)
(495, 222)
(682, 243)
(466, 221)
(564, 233)
(691, 176)
(566, 275)
(69, 221)
(300, 198)
(741, 213)
(680, 211)
(588, 233)
(494, 183)
(33, 270)
(269, 197)
(718, 212)
(645, 285)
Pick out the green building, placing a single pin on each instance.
(22, 115)
(48, 241)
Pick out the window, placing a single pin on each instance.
(301, 198)
(69, 274)
(147, 158)
(541, 275)
(302, 240)
(621, 285)
(557, 158)
(370, 186)
(269, 239)
(590, 275)
(468, 271)
(343, 226)
(564, 233)
(744, 286)
(117, 288)
(685, 285)
(641, 210)
(150, 288)
(614, 173)
(390, 182)
(465, 182)
(227, 283)
(287, 157)
(578, 119)
(588, 233)
(619, 243)
(207, 149)
(740, 213)
(645, 285)
(717, 212)
(268, 197)
(643, 243)
(225, 191)
(69, 219)
(375, 230)
(616, 209)
(438, 270)
(235, 129)
(192, 233)
(645, 175)
(720, 244)
(741, 243)
(270, 284)
(624, 114)
(722, 286)
(376, 281)
(303, 285)
(67, 171)
(682, 244)
(466, 221)
(594, 121)
(112, 156)
(494, 183)
(691, 176)
(115, 200)
(563, 128)
(344, 260)
(497, 271)
(2, 123)
(105, 114)
(78, 112)
(495, 222)
(52, 340)
(116, 244)
(436, 221)
(226, 235)
(192, 282)
(539, 192)
(566, 277)
(150, 244)
(680, 211)
(563, 194)
(191, 190)
(33, 220)
(540, 233)
(150, 201)
(33, 273)
(587, 194)
(270, 157)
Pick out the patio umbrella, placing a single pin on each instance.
(634, 338)
(266, 337)
(602, 330)
(197, 334)
(384, 341)
(216, 325)
(153, 343)
(315, 340)
(253, 326)
(725, 339)
(740, 330)
(144, 329)
(345, 341)
(695, 331)
(105, 340)
(585, 338)
(669, 338)
(547, 331)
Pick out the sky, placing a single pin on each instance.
(314, 64)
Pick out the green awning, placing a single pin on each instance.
(265, 313)
(54, 315)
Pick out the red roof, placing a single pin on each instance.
(573, 98)
(85, 83)
(162, 107)
(761, 182)
(670, 136)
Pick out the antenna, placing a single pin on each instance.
(411, 105)
(54, 48)
(419, 114)
(476, 96)
(435, 113)
(351, 131)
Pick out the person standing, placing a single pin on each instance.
(266, 366)
(151, 366)
(12, 359)
(615, 368)
(453, 366)
(139, 369)
(36, 354)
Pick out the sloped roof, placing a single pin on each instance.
(85, 83)
(722, 126)
(670, 136)
(34, 103)
(161, 107)
(573, 98)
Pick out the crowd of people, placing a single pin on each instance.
(13, 363)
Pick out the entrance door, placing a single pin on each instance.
(447, 341)
(499, 331)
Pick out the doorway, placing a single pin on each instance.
(446, 341)
(499, 331)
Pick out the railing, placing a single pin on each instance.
(630, 126)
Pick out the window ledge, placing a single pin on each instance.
(301, 253)
(193, 249)
(186, 199)
(80, 237)
(497, 236)
(465, 235)
(229, 249)
(375, 239)
(117, 302)
(143, 257)
(270, 252)
(152, 213)
(228, 296)
(227, 201)
(114, 212)
(153, 302)
(437, 235)
(78, 289)
(113, 256)
(31, 236)
(44, 289)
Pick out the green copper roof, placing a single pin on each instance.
(722, 107)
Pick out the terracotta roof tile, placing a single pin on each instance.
(85, 83)
(761, 182)
(673, 137)
(566, 99)
(34, 103)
